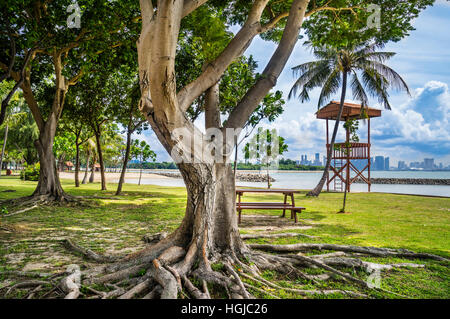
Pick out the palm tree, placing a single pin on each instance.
(332, 70)
(90, 150)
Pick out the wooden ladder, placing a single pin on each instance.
(338, 184)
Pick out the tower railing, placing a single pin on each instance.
(350, 150)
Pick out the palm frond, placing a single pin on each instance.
(358, 90)
(364, 49)
(394, 79)
(379, 56)
(300, 69)
(377, 86)
(330, 87)
(309, 80)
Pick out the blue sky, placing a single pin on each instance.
(417, 126)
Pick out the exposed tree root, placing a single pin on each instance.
(154, 293)
(89, 254)
(167, 270)
(371, 251)
(72, 283)
(139, 288)
(41, 199)
(17, 273)
(27, 203)
(8, 228)
(193, 291)
(25, 284)
(153, 239)
(281, 235)
(238, 280)
(368, 267)
(22, 210)
(261, 291)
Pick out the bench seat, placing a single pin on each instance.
(268, 206)
(261, 204)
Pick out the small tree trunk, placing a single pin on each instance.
(88, 155)
(345, 201)
(125, 162)
(92, 176)
(235, 159)
(77, 165)
(316, 191)
(140, 173)
(3, 148)
(347, 178)
(100, 159)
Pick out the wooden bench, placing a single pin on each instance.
(269, 205)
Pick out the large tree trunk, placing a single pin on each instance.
(49, 184)
(210, 222)
(125, 162)
(100, 160)
(316, 191)
(3, 148)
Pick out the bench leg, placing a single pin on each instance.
(285, 201)
(239, 220)
(295, 214)
(293, 205)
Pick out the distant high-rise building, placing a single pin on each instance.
(379, 163)
(324, 161)
(402, 165)
(428, 163)
(415, 165)
(386, 164)
(317, 160)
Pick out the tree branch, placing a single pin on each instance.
(11, 63)
(146, 11)
(191, 5)
(75, 79)
(272, 23)
(250, 101)
(216, 68)
(328, 8)
(19, 78)
(212, 114)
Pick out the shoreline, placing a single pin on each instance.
(159, 180)
(247, 177)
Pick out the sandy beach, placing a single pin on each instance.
(113, 177)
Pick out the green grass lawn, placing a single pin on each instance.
(116, 226)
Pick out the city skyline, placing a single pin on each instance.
(378, 162)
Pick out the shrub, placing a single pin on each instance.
(31, 173)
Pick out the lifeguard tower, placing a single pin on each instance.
(343, 153)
